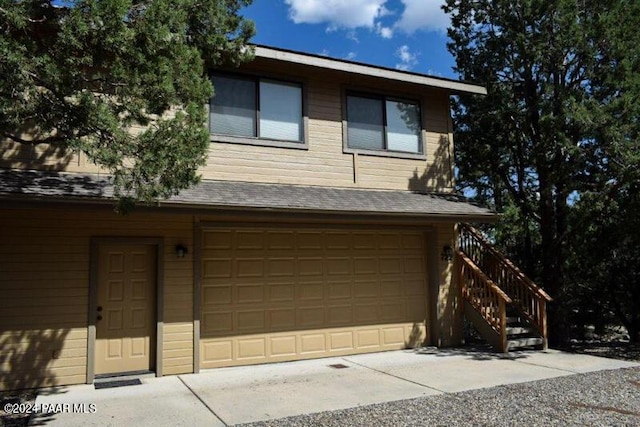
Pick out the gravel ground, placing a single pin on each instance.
(604, 398)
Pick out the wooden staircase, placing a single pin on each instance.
(506, 307)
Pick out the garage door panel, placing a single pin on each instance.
(272, 294)
(283, 346)
(218, 351)
(340, 341)
(280, 240)
(311, 343)
(366, 313)
(412, 241)
(413, 264)
(416, 310)
(339, 290)
(365, 240)
(368, 338)
(281, 267)
(389, 241)
(310, 317)
(415, 334)
(390, 265)
(281, 319)
(366, 289)
(249, 267)
(393, 311)
(365, 266)
(309, 267)
(250, 293)
(217, 239)
(250, 321)
(337, 240)
(338, 266)
(393, 336)
(310, 291)
(293, 345)
(251, 348)
(391, 288)
(217, 268)
(414, 287)
(340, 315)
(309, 240)
(217, 295)
(282, 292)
(217, 323)
(249, 240)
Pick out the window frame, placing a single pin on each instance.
(257, 140)
(384, 152)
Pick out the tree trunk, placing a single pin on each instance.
(552, 275)
(634, 334)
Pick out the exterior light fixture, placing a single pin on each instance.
(181, 251)
(447, 253)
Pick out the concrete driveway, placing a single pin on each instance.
(230, 396)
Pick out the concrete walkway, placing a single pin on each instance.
(230, 396)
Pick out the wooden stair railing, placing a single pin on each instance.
(527, 297)
(488, 300)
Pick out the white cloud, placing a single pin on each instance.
(325, 52)
(423, 15)
(351, 35)
(337, 13)
(350, 56)
(384, 32)
(407, 59)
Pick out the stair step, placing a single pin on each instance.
(519, 330)
(524, 342)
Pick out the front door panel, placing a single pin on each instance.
(125, 317)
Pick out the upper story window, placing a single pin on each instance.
(259, 108)
(383, 124)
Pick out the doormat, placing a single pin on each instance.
(117, 383)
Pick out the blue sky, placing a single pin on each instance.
(403, 34)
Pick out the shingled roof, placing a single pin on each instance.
(245, 195)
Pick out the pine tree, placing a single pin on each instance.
(543, 136)
(80, 75)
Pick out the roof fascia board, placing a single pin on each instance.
(367, 70)
(23, 201)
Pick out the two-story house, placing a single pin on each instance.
(324, 225)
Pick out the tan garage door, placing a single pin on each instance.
(273, 294)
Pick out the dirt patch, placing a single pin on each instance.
(611, 349)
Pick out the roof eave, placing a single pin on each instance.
(191, 207)
(454, 86)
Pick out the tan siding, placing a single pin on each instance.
(324, 163)
(178, 344)
(43, 157)
(449, 305)
(44, 277)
